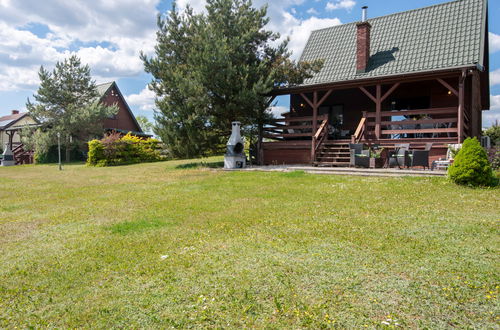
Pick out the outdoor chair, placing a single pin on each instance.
(444, 163)
(421, 157)
(401, 156)
(358, 156)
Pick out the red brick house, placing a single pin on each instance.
(415, 77)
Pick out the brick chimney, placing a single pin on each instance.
(362, 43)
(15, 112)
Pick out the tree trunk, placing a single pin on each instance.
(260, 154)
(68, 149)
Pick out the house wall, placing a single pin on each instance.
(4, 138)
(355, 101)
(123, 120)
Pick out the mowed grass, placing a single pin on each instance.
(179, 244)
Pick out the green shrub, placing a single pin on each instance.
(471, 166)
(115, 149)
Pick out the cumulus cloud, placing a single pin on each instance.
(145, 100)
(277, 111)
(107, 35)
(284, 21)
(494, 42)
(493, 115)
(495, 77)
(299, 33)
(340, 4)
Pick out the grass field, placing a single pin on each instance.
(174, 244)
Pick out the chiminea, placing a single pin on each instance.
(8, 156)
(235, 154)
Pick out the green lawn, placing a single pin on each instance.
(173, 244)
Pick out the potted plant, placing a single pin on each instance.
(376, 159)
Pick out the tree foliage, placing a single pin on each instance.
(67, 102)
(145, 124)
(213, 68)
(494, 133)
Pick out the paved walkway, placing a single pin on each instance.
(392, 172)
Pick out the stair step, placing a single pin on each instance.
(334, 159)
(333, 163)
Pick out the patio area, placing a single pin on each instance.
(373, 172)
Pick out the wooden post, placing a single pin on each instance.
(315, 112)
(314, 126)
(378, 109)
(476, 106)
(461, 104)
(11, 136)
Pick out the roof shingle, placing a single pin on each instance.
(432, 38)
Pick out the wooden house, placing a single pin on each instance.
(124, 121)
(109, 94)
(417, 76)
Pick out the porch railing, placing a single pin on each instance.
(292, 128)
(441, 122)
(319, 137)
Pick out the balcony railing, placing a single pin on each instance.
(418, 124)
(292, 128)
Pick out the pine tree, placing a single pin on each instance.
(214, 68)
(67, 102)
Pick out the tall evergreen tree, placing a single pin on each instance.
(214, 68)
(67, 102)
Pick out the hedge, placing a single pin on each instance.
(115, 149)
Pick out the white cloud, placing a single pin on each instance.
(312, 11)
(106, 35)
(284, 22)
(278, 110)
(495, 77)
(489, 117)
(340, 4)
(145, 100)
(494, 42)
(299, 32)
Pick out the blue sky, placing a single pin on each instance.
(109, 34)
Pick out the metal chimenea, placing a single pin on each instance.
(8, 156)
(235, 154)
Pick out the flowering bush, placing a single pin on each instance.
(115, 149)
(494, 156)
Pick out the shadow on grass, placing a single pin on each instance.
(200, 165)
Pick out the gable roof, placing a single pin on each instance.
(9, 120)
(444, 36)
(104, 89)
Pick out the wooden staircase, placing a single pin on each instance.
(22, 156)
(333, 153)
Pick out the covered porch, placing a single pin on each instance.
(439, 109)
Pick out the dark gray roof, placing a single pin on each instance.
(439, 37)
(103, 88)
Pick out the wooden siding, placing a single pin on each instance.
(123, 120)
